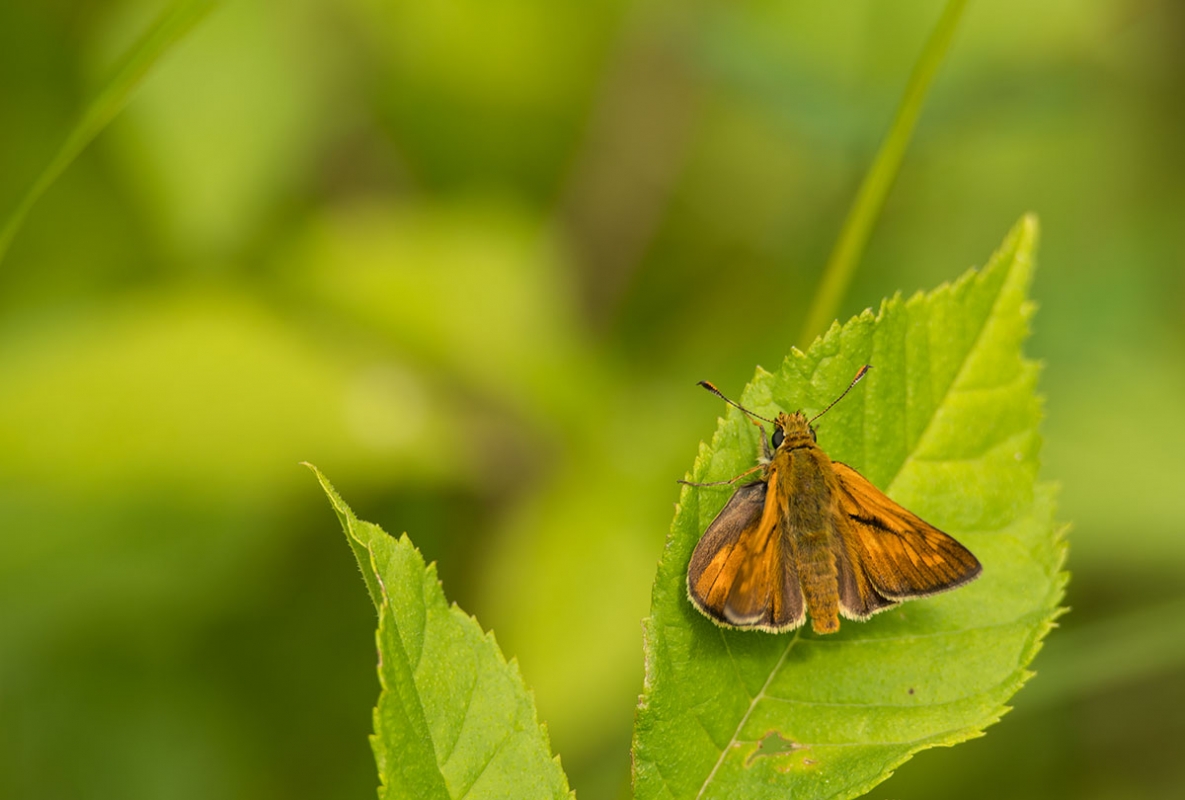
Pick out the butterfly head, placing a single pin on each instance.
(792, 431)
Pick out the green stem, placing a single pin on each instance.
(867, 206)
(171, 26)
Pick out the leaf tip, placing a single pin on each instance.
(1024, 235)
(335, 499)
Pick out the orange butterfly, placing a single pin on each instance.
(813, 535)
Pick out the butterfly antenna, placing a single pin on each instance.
(859, 376)
(720, 394)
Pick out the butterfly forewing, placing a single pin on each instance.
(900, 554)
(739, 573)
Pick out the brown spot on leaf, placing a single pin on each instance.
(772, 744)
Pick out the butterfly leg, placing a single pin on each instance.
(767, 452)
(728, 482)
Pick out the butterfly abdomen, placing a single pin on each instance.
(809, 506)
(819, 579)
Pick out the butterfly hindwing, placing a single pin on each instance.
(858, 599)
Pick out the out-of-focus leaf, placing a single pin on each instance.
(454, 718)
(1098, 425)
(219, 141)
(158, 389)
(478, 290)
(947, 424)
(170, 27)
(112, 427)
(1122, 649)
(494, 96)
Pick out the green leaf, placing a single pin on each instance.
(169, 28)
(453, 719)
(946, 423)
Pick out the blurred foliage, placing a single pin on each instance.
(470, 259)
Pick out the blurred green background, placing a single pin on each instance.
(470, 258)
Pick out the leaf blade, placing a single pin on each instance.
(948, 424)
(454, 718)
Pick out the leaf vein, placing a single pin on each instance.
(748, 712)
(497, 750)
(735, 667)
(461, 727)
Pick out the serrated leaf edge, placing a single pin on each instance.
(381, 598)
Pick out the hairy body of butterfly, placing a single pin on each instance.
(814, 536)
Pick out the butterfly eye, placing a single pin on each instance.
(814, 438)
(776, 439)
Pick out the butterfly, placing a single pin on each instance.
(814, 536)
